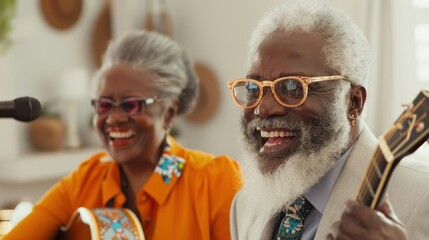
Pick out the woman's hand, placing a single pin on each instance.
(360, 222)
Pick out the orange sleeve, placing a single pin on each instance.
(53, 210)
(224, 183)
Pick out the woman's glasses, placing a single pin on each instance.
(129, 105)
(288, 91)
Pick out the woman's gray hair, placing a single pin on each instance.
(172, 70)
(346, 50)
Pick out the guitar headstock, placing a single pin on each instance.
(410, 130)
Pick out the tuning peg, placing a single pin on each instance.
(407, 106)
(420, 126)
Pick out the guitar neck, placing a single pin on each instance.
(408, 133)
(374, 183)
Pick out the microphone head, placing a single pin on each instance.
(27, 109)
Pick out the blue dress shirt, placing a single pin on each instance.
(318, 196)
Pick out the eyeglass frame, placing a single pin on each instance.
(141, 101)
(305, 81)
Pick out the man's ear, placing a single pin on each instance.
(357, 98)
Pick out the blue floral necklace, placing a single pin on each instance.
(169, 164)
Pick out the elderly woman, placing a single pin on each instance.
(146, 80)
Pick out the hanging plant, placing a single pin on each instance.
(7, 12)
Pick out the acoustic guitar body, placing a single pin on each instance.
(102, 224)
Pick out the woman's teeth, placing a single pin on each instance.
(126, 134)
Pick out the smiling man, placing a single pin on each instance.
(306, 145)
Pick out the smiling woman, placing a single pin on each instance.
(145, 82)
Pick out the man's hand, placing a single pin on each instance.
(360, 222)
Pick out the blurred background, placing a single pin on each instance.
(55, 47)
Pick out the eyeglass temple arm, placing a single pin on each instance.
(320, 79)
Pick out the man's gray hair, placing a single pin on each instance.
(171, 70)
(346, 50)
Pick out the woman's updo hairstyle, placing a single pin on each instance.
(153, 53)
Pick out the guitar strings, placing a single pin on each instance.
(369, 172)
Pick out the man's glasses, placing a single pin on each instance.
(129, 105)
(288, 91)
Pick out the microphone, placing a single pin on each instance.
(23, 109)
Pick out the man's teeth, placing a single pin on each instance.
(121, 134)
(268, 144)
(271, 134)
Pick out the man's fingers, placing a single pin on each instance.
(361, 222)
(387, 209)
(361, 214)
(350, 227)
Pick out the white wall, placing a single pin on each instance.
(214, 32)
(40, 54)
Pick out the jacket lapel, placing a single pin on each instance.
(346, 186)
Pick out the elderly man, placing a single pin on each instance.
(306, 144)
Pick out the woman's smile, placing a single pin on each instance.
(120, 137)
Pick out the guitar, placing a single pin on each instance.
(102, 224)
(408, 133)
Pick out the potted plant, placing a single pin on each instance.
(7, 12)
(47, 133)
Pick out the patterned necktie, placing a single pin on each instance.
(291, 226)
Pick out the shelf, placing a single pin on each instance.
(43, 166)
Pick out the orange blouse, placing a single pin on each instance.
(193, 203)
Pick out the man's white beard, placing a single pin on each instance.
(265, 194)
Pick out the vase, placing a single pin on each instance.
(47, 133)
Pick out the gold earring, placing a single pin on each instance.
(353, 119)
(167, 130)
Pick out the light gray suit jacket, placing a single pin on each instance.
(408, 192)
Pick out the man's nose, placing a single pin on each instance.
(268, 106)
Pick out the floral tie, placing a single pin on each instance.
(292, 224)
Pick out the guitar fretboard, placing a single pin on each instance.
(372, 185)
